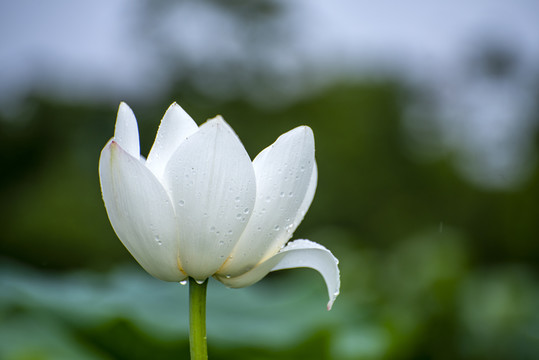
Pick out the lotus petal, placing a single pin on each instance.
(298, 253)
(285, 184)
(140, 212)
(175, 127)
(126, 131)
(212, 184)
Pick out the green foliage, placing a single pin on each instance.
(432, 266)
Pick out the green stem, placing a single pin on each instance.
(197, 320)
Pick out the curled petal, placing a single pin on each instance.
(140, 212)
(285, 185)
(126, 131)
(298, 253)
(175, 127)
(212, 184)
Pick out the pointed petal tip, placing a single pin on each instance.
(333, 298)
(113, 145)
(219, 123)
(123, 107)
(218, 119)
(174, 106)
(304, 129)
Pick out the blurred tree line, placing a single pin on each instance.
(370, 185)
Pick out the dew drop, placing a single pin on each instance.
(259, 229)
(268, 199)
(212, 229)
(200, 282)
(228, 276)
(183, 282)
(281, 194)
(277, 227)
(229, 232)
(237, 199)
(290, 194)
(157, 240)
(238, 216)
(246, 211)
(181, 203)
(221, 242)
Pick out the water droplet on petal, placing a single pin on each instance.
(212, 229)
(221, 242)
(246, 211)
(228, 276)
(181, 203)
(237, 199)
(238, 216)
(281, 194)
(183, 282)
(290, 194)
(200, 282)
(277, 227)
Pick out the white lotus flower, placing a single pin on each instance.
(199, 207)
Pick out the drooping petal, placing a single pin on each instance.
(126, 131)
(176, 125)
(285, 184)
(140, 212)
(298, 253)
(212, 183)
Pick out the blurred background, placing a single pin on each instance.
(426, 122)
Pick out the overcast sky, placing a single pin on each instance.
(99, 50)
